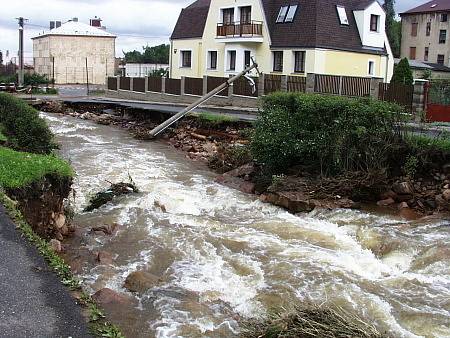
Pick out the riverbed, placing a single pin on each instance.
(222, 255)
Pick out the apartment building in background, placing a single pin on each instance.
(75, 52)
(425, 33)
(337, 37)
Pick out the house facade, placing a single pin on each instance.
(74, 53)
(425, 31)
(218, 38)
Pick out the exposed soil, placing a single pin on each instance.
(222, 146)
(42, 204)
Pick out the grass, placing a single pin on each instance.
(423, 142)
(215, 118)
(99, 326)
(48, 91)
(310, 321)
(18, 169)
(2, 137)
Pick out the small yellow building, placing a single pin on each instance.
(338, 37)
(74, 53)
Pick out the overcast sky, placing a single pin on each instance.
(135, 22)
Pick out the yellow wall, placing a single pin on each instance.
(318, 61)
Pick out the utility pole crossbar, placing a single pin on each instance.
(163, 126)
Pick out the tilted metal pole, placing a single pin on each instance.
(158, 129)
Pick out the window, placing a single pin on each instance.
(247, 56)
(212, 59)
(291, 13)
(246, 14)
(278, 61)
(414, 29)
(442, 36)
(299, 62)
(282, 14)
(444, 17)
(412, 53)
(186, 57)
(440, 59)
(425, 55)
(428, 28)
(286, 13)
(342, 15)
(231, 60)
(371, 69)
(374, 22)
(228, 16)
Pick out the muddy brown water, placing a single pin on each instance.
(222, 255)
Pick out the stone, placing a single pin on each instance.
(403, 205)
(236, 183)
(141, 281)
(446, 194)
(58, 236)
(107, 229)
(409, 214)
(403, 188)
(386, 202)
(293, 201)
(159, 205)
(64, 230)
(107, 296)
(404, 197)
(244, 170)
(388, 194)
(104, 257)
(60, 220)
(56, 245)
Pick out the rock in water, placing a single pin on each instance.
(141, 281)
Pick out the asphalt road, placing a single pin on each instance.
(33, 302)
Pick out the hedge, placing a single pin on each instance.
(23, 127)
(330, 133)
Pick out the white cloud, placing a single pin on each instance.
(135, 22)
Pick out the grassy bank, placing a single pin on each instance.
(19, 169)
(27, 158)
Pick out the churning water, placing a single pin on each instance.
(222, 255)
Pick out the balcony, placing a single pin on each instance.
(238, 32)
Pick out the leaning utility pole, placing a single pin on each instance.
(21, 21)
(158, 129)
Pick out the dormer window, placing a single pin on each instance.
(291, 13)
(287, 13)
(374, 19)
(342, 15)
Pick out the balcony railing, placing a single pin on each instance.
(237, 29)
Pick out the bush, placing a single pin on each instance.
(402, 73)
(23, 127)
(431, 153)
(329, 133)
(34, 79)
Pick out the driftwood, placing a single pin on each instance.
(198, 136)
(105, 196)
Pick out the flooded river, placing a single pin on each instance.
(222, 255)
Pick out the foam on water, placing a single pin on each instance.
(236, 254)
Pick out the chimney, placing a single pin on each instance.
(96, 22)
(52, 25)
(57, 24)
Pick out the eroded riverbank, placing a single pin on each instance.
(221, 255)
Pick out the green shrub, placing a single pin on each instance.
(330, 133)
(23, 127)
(430, 152)
(34, 79)
(402, 73)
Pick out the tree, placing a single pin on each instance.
(402, 73)
(156, 54)
(393, 27)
